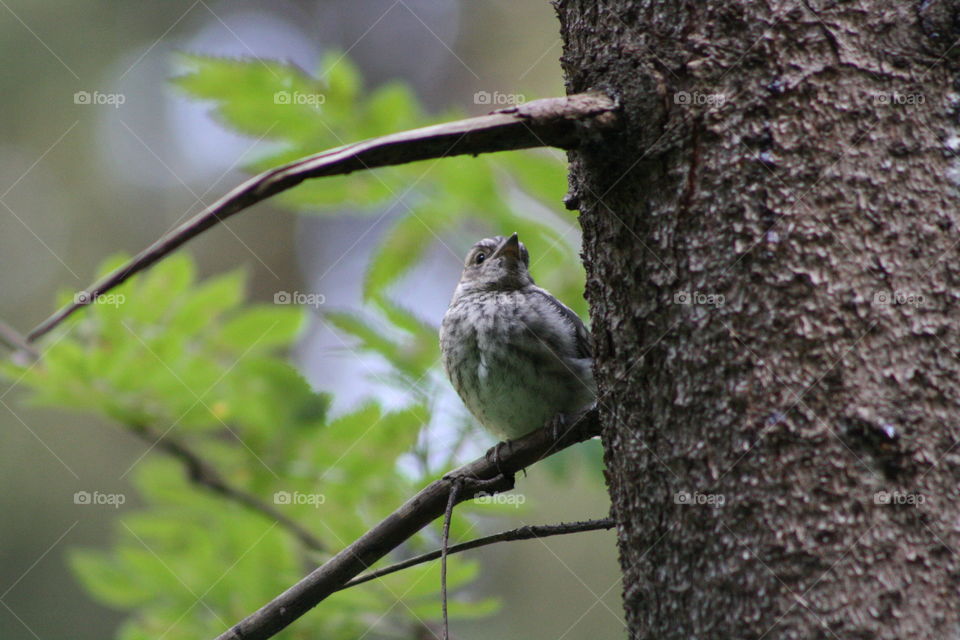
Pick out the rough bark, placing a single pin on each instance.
(796, 162)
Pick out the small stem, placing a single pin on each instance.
(522, 533)
(447, 516)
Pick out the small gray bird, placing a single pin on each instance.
(517, 356)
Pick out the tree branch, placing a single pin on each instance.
(12, 339)
(419, 511)
(559, 122)
(522, 533)
(201, 473)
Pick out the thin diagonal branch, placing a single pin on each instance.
(559, 122)
(201, 473)
(529, 532)
(12, 339)
(430, 503)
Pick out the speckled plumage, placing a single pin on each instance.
(516, 355)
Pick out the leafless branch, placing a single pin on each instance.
(559, 122)
(529, 532)
(10, 338)
(430, 503)
(455, 487)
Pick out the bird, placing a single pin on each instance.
(518, 358)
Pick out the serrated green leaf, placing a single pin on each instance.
(392, 107)
(262, 99)
(370, 338)
(340, 76)
(405, 319)
(262, 327)
(540, 172)
(403, 246)
(106, 580)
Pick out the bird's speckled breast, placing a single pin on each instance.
(513, 363)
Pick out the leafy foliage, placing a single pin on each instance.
(302, 115)
(192, 361)
(200, 369)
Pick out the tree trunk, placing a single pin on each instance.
(771, 253)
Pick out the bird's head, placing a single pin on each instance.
(496, 264)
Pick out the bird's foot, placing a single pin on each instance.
(493, 454)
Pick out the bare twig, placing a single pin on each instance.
(523, 533)
(559, 122)
(419, 511)
(455, 487)
(12, 339)
(201, 473)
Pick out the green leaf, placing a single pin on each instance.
(340, 76)
(213, 297)
(371, 339)
(540, 172)
(401, 249)
(262, 99)
(392, 107)
(263, 327)
(107, 580)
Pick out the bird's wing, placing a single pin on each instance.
(582, 344)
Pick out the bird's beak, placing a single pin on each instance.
(509, 247)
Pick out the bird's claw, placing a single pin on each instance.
(495, 451)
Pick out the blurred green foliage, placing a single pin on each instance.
(303, 115)
(191, 361)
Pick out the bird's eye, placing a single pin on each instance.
(480, 258)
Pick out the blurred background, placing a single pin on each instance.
(80, 181)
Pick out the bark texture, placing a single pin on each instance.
(772, 255)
